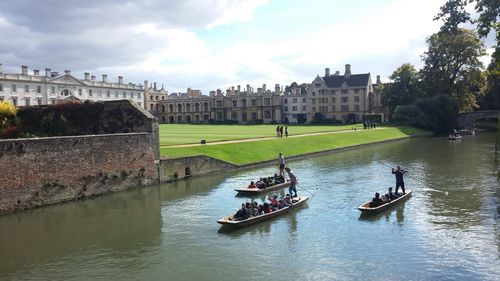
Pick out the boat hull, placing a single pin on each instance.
(258, 191)
(226, 221)
(366, 209)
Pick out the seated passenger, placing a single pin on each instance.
(266, 208)
(391, 194)
(377, 201)
(241, 214)
(287, 201)
(260, 184)
(252, 185)
(250, 209)
(274, 202)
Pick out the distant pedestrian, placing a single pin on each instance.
(293, 181)
(281, 131)
(364, 125)
(278, 131)
(286, 131)
(374, 125)
(281, 162)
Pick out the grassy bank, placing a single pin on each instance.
(258, 151)
(171, 134)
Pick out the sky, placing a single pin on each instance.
(214, 44)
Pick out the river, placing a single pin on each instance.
(448, 229)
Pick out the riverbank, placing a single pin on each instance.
(245, 153)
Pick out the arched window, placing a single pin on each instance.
(171, 108)
(179, 108)
(243, 103)
(188, 107)
(205, 106)
(151, 97)
(197, 107)
(163, 108)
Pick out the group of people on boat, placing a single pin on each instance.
(267, 182)
(389, 196)
(253, 209)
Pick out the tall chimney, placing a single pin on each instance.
(105, 78)
(378, 79)
(120, 79)
(47, 72)
(36, 72)
(248, 88)
(327, 72)
(239, 88)
(337, 73)
(0, 68)
(264, 87)
(347, 74)
(92, 78)
(277, 88)
(67, 72)
(146, 83)
(154, 84)
(87, 76)
(24, 70)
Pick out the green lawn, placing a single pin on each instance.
(171, 134)
(258, 151)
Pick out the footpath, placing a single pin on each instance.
(264, 138)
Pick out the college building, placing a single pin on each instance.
(24, 88)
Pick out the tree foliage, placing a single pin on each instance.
(454, 12)
(452, 67)
(403, 89)
(8, 113)
(491, 99)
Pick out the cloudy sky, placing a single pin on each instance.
(210, 44)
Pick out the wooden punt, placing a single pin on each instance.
(366, 209)
(458, 137)
(227, 221)
(247, 190)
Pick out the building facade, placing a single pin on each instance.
(152, 98)
(295, 104)
(24, 89)
(235, 106)
(340, 97)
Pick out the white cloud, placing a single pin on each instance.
(236, 11)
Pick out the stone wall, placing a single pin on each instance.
(44, 171)
(170, 169)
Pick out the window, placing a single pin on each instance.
(108, 93)
(333, 100)
(313, 101)
(254, 103)
(314, 93)
(151, 107)
(26, 89)
(162, 98)
(356, 99)
(294, 100)
(1, 87)
(79, 92)
(99, 93)
(53, 90)
(235, 103)
(39, 101)
(323, 108)
(124, 95)
(304, 108)
(286, 108)
(116, 94)
(151, 97)
(356, 91)
(344, 108)
(14, 101)
(244, 117)
(267, 101)
(90, 93)
(286, 100)
(27, 101)
(303, 100)
(267, 114)
(139, 96)
(294, 108)
(254, 115)
(233, 116)
(131, 95)
(244, 103)
(219, 115)
(345, 99)
(344, 91)
(38, 89)
(53, 101)
(157, 97)
(14, 88)
(356, 107)
(314, 109)
(219, 104)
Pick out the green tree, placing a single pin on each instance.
(403, 89)
(491, 99)
(452, 67)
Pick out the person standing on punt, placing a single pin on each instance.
(293, 180)
(281, 161)
(399, 178)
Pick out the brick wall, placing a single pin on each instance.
(178, 168)
(38, 172)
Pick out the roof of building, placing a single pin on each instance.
(355, 80)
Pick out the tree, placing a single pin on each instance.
(8, 113)
(454, 12)
(452, 67)
(404, 88)
(491, 99)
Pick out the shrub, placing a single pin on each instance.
(8, 113)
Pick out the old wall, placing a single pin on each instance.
(38, 172)
(178, 168)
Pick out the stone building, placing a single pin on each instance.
(236, 105)
(295, 103)
(341, 97)
(23, 89)
(152, 97)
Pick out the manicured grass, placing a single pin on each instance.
(258, 151)
(171, 134)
